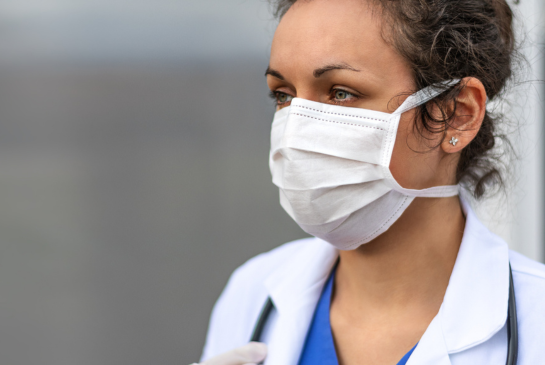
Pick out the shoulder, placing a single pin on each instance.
(256, 269)
(529, 284)
(528, 279)
(240, 303)
(526, 267)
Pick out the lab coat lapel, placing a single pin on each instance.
(475, 304)
(431, 349)
(476, 300)
(295, 289)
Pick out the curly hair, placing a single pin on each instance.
(452, 39)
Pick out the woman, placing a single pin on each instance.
(381, 120)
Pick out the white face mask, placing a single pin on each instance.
(331, 164)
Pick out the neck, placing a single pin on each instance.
(409, 265)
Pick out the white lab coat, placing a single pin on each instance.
(469, 329)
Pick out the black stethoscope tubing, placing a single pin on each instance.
(512, 327)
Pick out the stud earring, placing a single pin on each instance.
(453, 141)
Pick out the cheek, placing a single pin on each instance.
(415, 163)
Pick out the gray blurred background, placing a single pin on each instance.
(133, 173)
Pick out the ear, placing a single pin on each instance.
(469, 115)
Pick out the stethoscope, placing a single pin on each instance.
(512, 328)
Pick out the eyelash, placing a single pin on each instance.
(274, 96)
(334, 90)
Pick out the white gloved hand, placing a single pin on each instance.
(250, 354)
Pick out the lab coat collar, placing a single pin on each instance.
(295, 288)
(476, 300)
(475, 304)
(473, 310)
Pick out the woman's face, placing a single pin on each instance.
(332, 51)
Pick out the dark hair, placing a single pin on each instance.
(452, 39)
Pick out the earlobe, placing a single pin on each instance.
(453, 141)
(468, 116)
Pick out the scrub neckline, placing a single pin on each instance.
(319, 348)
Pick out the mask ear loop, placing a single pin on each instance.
(419, 98)
(424, 95)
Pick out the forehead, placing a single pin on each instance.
(317, 32)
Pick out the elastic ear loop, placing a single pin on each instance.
(424, 95)
(419, 98)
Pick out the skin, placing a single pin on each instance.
(387, 291)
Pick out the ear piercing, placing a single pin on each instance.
(453, 141)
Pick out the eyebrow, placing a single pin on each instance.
(274, 73)
(317, 73)
(340, 66)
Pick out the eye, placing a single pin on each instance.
(341, 95)
(280, 97)
(283, 98)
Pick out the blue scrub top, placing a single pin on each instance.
(319, 347)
